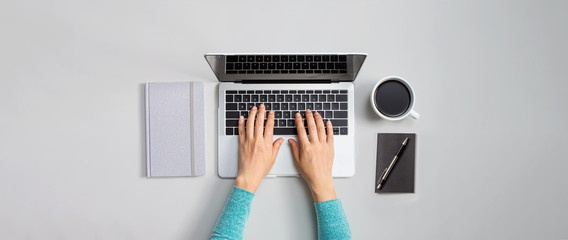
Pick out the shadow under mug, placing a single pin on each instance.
(409, 109)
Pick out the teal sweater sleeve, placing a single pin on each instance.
(332, 223)
(233, 219)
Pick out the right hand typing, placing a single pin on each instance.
(313, 155)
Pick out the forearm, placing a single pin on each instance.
(332, 223)
(233, 219)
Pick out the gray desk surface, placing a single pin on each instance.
(490, 79)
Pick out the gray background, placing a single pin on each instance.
(490, 79)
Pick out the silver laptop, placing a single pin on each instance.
(286, 83)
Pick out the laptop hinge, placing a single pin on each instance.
(280, 81)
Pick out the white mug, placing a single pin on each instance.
(409, 110)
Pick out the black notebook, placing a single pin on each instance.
(401, 178)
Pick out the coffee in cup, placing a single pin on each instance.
(392, 98)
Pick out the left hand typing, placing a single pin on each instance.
(257, 152)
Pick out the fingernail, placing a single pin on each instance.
(317, 113)
(297, 114)
(253, 108)
(308, 110)
(271, 112)
(261, 105)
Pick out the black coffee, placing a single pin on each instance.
(392, 98)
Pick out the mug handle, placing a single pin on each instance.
(414, 114)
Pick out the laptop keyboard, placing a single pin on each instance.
(286, 64)
(331, 104)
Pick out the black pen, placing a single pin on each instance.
(386, 172)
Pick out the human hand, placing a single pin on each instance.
(257, 152)
(314, 155)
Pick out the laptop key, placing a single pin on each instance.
(318, 106)
(339, 122)
(309, 106)
(341, 98)
(236, 131)
(335, 131)
(278, 114)
(229, 131)
(250, 105)
(284, 106)
(288, 98)
(305, 98)
(301, 106)
(340, 65)
(293, 106)
(297, 98)
(322, 98)
(282, 123)
(330, 98)
(242, 106)
(272, 98)
(245, 114)
(313, 98)
(232, 114)
(268, 106)
(276, 106)
(286, 114)
(328, 114)
(254, 98)
(280, 98)
(232, 123)
(335, 106)
(343, 131)
(228, 98)
(285, 131)
(231, 106)
(340, 114)
(246, 98)
(326, 106)
(263, 98)
(237, 98)
(343, 106)
(232, 59)
(291, 123)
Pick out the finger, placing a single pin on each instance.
(295, 149)
(250, 122)
(302, 136)
(329, 133)
(241, 129)
(312, 130)
(276, 146)
(259, 125)
(320, 127)
(269, 129)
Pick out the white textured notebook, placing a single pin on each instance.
(175, 129)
